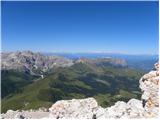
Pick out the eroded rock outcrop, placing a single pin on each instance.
(132, 109)
(149, 85)
(88, 108)
(76, 108)
(10, 114)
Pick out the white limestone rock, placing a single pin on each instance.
(135, 109)
(75, 108)
(98, 112)
(149, 85)
(132, 109)
(116, 111)
(25, 114)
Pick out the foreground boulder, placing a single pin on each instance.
(132, 109)
(76, 108)
(89, 109)
(10, 114)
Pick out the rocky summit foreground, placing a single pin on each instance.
(147, 107)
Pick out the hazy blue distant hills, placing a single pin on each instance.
(144, 62)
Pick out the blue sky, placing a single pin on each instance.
(117, 27)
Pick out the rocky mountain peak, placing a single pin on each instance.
(31, 62)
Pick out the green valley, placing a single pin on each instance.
(106, 83)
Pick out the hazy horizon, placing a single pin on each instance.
(88, 52)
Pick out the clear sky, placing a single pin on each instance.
(118, 27)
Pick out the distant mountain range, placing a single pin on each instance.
(143, 62)
(38, 63)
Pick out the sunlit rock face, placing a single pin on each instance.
(149, 85)
(31, 62)
(88, 108)
(75, 108)
(132, 109)
(31, 114)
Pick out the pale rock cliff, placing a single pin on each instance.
(149, 85)
(31, 62)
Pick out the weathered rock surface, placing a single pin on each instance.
(132, 109)
(34, 63)
(147, 107)
(82, 108)
(88, 108)
(25, 114)
(149, 85)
